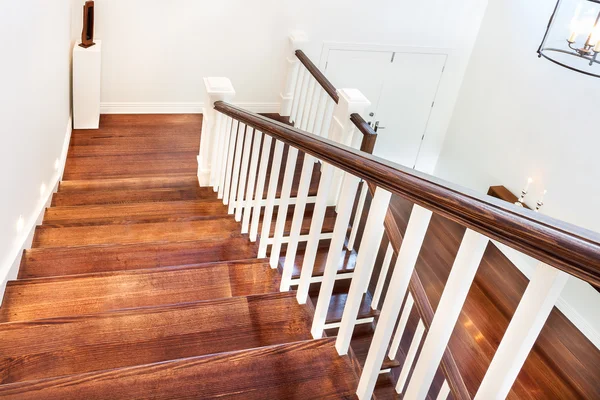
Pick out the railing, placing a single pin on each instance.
(239, 145)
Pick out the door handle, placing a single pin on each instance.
(376, 127)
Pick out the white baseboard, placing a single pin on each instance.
(11, 268)
(177, 108)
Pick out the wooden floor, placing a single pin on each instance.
(139, 285)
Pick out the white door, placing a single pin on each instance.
(402, 89)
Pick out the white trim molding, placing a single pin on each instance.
(178, 108)
(10, 269)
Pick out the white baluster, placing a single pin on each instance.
(236, 167)
(314, 234)
(273, 183)
(333, 259)
(292, 247)
(302, 73)
(230, 154)
(314, 107)
(403, 270)
(214, 170)
(225, 165)
(525, 326)
(410, 358)
(327, 118)
(321, 115)
(408, 306)
(249, 204)
(307, 78)
(387, 260)
(284, 202)
(241, 192)
(217, 89)
(260, 187)
(364, 265)
(444, 391)
(297, 40)
(359, 210)
(453, 298)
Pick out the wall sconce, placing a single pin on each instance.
(572, 39)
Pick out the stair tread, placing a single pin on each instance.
(119, 196)
(111, 214)
(61, 296)
(110, 144)
(218, 227)
(310, 368)
(132, 165)
(328, 221)
(46, 262)
(74, 345)
(153, 182)
(338, 302)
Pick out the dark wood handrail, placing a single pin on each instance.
(369, 135)
(318, 75)
(565, 246)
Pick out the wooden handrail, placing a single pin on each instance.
(565, 246)
(369, 135)
(318, 75)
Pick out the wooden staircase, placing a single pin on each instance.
(138, 284)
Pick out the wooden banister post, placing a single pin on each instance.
(297, 41)
(342, 130)
(525, 326)
(209, 161)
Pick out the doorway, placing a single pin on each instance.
(402, 87)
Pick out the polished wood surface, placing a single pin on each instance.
(139, 284)
(310, 370)
(55, 347)
(318, 75)
(562, 245)
(563, 364)
(45, 262)
(28, 299)
(369, 135)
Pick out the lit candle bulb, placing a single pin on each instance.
(529, 181)
(597, 47)
(573, 37)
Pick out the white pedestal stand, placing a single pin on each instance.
(86, 86)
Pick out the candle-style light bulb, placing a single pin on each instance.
(529, 181)
(597, 47)
(521, 201)
(540, 202)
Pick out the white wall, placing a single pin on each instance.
(34, 112)
(156, 52)
(520, 116)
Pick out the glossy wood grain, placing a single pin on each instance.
(45, 262)
(214, 228)
(114, 214)
(369, 135)
(310, 369)
(82, 198)
(562, 245)
(153, 182)
(66, 346)
(30, 299)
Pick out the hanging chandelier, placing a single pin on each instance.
(572, 38)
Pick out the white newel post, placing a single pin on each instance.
(216, 89)
(297, 41)
(525, 326)
(87, 65)
(351, 101)
(451, 303)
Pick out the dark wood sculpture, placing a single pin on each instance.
(87, 35)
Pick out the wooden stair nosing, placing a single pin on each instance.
(42, 298)
(172, 182)
(218, 227)
(111, 214)
(80, 344)
(312, 368)
(86, 198)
